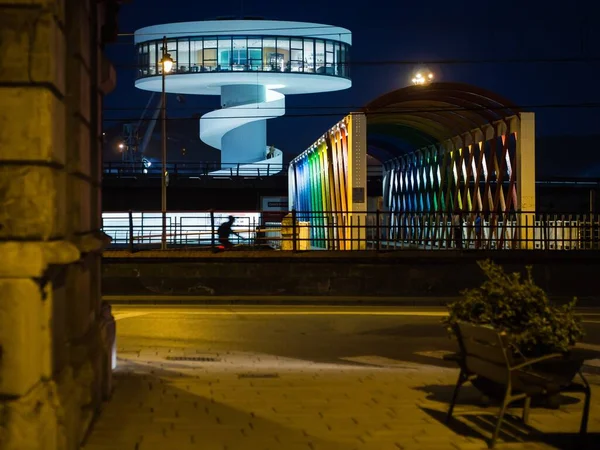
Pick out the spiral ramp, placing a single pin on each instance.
(238, 130)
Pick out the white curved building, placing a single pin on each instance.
(252, 65)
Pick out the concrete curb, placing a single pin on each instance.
(275, 300)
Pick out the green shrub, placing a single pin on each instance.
(517, 306)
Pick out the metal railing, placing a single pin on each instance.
(138, 230)
(382, 230)
(192, 169)
(373, 230)
(205, 169)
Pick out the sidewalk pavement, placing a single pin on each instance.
(254, 401)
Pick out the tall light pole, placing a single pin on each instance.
(167, 64)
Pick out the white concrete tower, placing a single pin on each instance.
(252, 65)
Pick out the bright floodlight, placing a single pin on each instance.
(167, 63)
(121, 146)
(420, 79)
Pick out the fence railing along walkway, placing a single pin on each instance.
(372, 230)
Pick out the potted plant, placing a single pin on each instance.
(515, 305)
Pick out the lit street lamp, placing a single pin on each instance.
(421, 78)
(167, 64)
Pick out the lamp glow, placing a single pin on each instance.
(419, 79)
(167, 63)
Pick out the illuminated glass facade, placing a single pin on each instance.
(246, 54)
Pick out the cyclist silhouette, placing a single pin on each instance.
(225, 231)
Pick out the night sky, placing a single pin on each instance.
(407, 33)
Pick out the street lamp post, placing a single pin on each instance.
(167, 64)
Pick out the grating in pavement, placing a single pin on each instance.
(193, 358)
(258, 375)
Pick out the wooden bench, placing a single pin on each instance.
(486, 353)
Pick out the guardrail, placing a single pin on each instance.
(372, 230)
(205, 169)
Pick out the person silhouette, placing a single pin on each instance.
(457, 228)
(224, 231)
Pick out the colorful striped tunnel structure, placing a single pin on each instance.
(327, 185)
(447, 149)
(454, 149)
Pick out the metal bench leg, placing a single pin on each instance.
(462, 378)
(526, 410)
(505, 403)
(586, 406)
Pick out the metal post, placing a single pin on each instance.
(130, 231)
(212, 230)
(378, 229)
(294, 231)
(163, 208)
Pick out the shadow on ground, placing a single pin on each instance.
(160, 408)
(471, 396)
(480, 423)
(481, 426)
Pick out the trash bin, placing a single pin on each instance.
(287, 234)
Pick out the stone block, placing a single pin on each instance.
(82, 49)
(83, 133)
(32, 202)
(46, 325)
(59, 179)
(79, 207)
(84, 193)
(83, 93)
(56, 7)
(32, 47)
(96, 207)
(33, 133)
(21, 260)
(77, 302)
(31, 422)
(20, 336)
(74, 394)
(78, 147)
(60, 347)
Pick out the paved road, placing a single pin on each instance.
(304, 378)
(319, 334)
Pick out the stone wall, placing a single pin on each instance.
(52, 79)
(398, 274)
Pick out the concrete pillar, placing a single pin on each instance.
(357, 179)
(526, 178)
(50, 76)
(247, 143)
